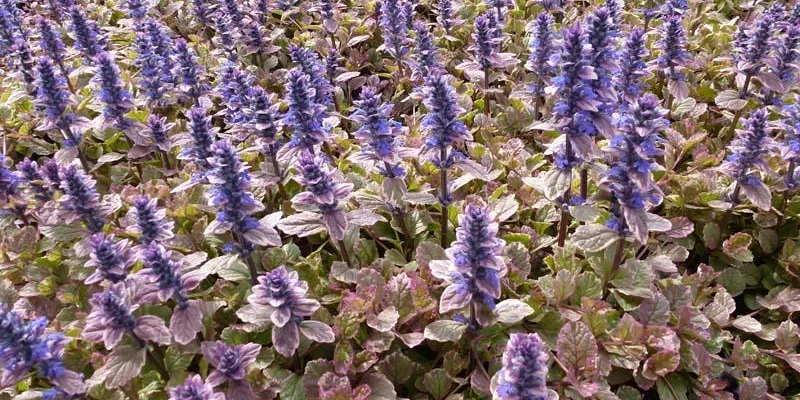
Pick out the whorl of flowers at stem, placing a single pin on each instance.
(225, 37)
(264, 118)
(575, 97)
(25, 346)
(111, 91)
(476, 263)
(378, 133)
(53, 98)
(157, 129)
(602, 34)
(50, 41)
(159, 268)
(332, 64)
(9, 183)
(137, 9)
(758, 46)
(151, 67)
(193, 388)
(80, 198)
(25, 60)
(110, 259)
(632, 72)
(149, 221)
(200, 137)
(234, 87)
(394, 28)
(445, 17)
(88, 39)
(163, 46)
(673, 48)
(305, 116)
(746, 156)
(254, 37)
(426, 53)
(485, 41)
(787, 56)
(309, 63)
(322, 191)
(30, 173)
(442, 121)
(189, 73)
(262, 10)
(675, 7)
(231, 10)
(544, 52)
(790, 146)
(524, 372)
(201, 11)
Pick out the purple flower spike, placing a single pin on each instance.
(30, 173)
(544, 48)
(112, 317)
(394, 27)
(50, 41)
(632, 72)
(264, 118)
(194, 389)
(426, 53)
(380, 135)
(197, 142)
(111, 260)
(111, 91)
(230, 363)
(80, 199)
(524, 372)
(24, 346)
(322, 193)
(305, 117)
(475, 264)
(230, 194)
(149, 221)
(281, 296)
(442, 121)
(747, 156)
(9, 183)
(189, 72)
(88, 39)
(309, 63)
(674, 56)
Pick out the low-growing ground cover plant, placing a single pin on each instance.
(399, 199)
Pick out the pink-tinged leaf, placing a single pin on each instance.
(239, 390)
(153, 329)
(186, 322)
(662, 338)
(636, 221)
(738, 247)
(661, 364)
(721, 308)
(452, 299)
(663, 263)
(71, 382)
(336, 222)
(747, 323)
(412, 339)
(753, 389)
(787, 299)
(681, 227)
(263, 236)
(303, 224)
(786, 336)
(385, 320)
(122, 365)
(380, 387)
(334, 387)
(772, 81)
(286, 339)
(576, 348)
(759, 194)
(653, 311)
(317, 331)
(473, 168)
(363, 218)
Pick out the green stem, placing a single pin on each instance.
(345, 254)
(444, 200)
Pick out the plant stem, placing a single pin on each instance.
(584, 183)
(444, 196)
(277, 169)
(738, 115)
(487, 109)
(345, 254)
(734, 201)
(564, 223)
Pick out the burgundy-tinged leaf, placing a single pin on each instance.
(576, 348)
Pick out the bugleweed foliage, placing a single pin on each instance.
(399, 199)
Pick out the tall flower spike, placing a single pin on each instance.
(53, 98)
(524, 372)
(790, 147)
(193, 388)
(196, 143)
(30, 174)
(88, 39)
(25, 346)
(189, 74)
(262, 11)
(425, 52)
(163, 45)
(379, 134)
(25, 59)
(80, 199)
(747, 156)
(787, 61)
(50, 41)
(230, 365)
(254, 38)
(112, 317)
(486, 39)
(475, 265)
(137, 9)
(309, 63)
(158, 130)
(232, 11)
(149, 221)
(282, 296)
(264, 119)
(633, 153)
(602, 34)
(305, 117)
(235, 204)
(234, 87)
(442, 122)
(544, 48)
(202, 12)
(674, 56)
(632, 72)
(225, 37)
(758, 46)
(394, 29)
(447, 10)
(111, 91)
(322, 193)
(151, 68)
(110, 259)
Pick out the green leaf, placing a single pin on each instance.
(634, 279)
(445, 331)
(733, 281)
(672, 387)
(292, 388)
(437, 383)
(63, 233)
(397, 367)
(711, 235)
(593, 238)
